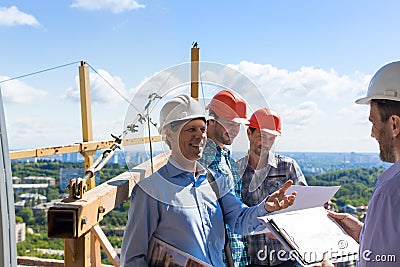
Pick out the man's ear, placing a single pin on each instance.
(248, 133)
(395, 125)
(168, 133)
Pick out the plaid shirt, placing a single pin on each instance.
(220, 160)
(257, 185)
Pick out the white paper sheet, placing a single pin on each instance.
(310, 196)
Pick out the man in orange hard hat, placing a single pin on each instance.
(263, 172)
(229, 111)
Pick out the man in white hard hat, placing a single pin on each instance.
(177, 204)
(379, 235)
(264, 171)
(228, 110)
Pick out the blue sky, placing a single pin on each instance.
(310, 59)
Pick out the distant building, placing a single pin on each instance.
(66, 174)
(34, 196)
(20, 232)
(73, 157)
(34, 179)
(21, 187)
(19, 204)
(350, 209)
(362, 208)
(16, 180)
(44, 206)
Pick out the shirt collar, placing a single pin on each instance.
(174, 169)
(211, 144)
(271, 159)
(389, 173)
(216, 149)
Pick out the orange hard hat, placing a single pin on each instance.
(266, 120)
(229, 106)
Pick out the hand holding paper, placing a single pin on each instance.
(349, 223)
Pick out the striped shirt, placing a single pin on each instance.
(220, 160)
(257, 185)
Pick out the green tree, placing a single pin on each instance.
(26, 213)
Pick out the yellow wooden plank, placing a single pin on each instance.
(106, 245)
(91, 146)
(78, 216)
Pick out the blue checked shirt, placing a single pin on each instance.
(256, 185)
(220, 160)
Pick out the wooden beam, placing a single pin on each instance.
(77, 148)
(106, 245)
(72, 218)
(194, 88)
(33, 261)
(86, 114)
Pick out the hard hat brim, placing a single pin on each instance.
(271, 132)
(363, 101)
(192, 117)
(241, 120)
(366, 100)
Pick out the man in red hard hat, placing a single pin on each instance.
(264, 171)
(229, 111)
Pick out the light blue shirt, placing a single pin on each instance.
(380, 236)
(183, 211)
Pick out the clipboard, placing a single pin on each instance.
(307, 244)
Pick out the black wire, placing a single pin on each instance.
(40, 71)
(115, 89)
(202, 91)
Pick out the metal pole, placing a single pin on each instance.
(8, 244)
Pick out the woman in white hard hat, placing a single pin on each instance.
(178, 205)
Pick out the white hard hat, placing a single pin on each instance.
(385, 84)
(179, 108)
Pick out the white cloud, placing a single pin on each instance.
(16, 91)
(356, 114)
(116, 6)
(308, 82)
(110, 92)
(300, 116)
(10, 16)
(28, 133)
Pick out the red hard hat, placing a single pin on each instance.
(229, 106)
(266, 120)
